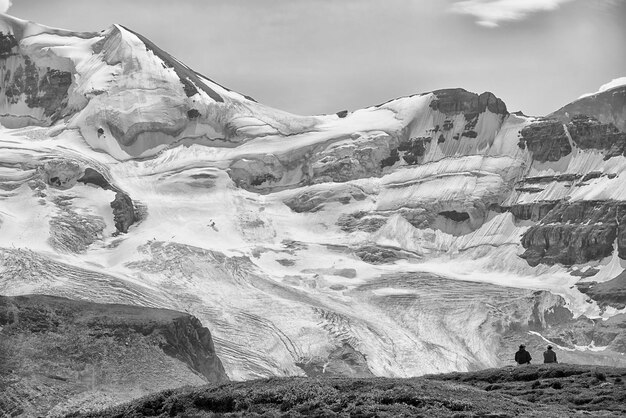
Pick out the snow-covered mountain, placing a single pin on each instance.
(429, 233)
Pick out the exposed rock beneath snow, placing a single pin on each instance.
(44, 88)
(61, 173)
(316, 199)
(413, 149)
(91, 176)
(452, 101)
(65, 174)
(361, 221)
(546, 140)
(366, 156)
(376, 255)
(574, 232)
(588, 133)
(8, 45)
(532, 211)
(123, 212)
(611, 292)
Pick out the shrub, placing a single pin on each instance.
(581, 400)
(557, 385)
(603, 400)
(600, 376)
(215, 403)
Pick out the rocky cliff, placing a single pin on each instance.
(437, 223)
(62, 355)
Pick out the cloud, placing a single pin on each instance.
(4, 5)
(490, 13)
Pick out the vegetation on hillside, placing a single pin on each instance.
(531, 391)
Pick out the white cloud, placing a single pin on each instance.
(490, 13)
(4, 5)
(616, 82)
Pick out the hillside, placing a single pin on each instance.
(59, 355)
(532, 391)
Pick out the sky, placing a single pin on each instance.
(322, 56)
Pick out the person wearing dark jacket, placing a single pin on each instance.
(522, 356)
(549, 356)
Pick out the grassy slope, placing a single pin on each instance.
(535, 391)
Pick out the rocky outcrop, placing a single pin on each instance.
(546, 140)
(342, 361)
(364, 156)
(8, 45)
(361, 221)
(64, 174)
(611, 292)
(188, 341)
(574, 233)
(91, 176)
(123, 212)
(316, 199)
(45, 88)
(450, 101)
(413, 149)
(61, 173)
(589, 133)
(377, 255)
(608, 107)
(532, 211)
(57, 351)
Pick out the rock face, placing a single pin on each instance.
(546, 140)
(43, 89)
(123, 212)
(77, 355)
(532, 211)
(611, 292)
(575, 233)
(461, 101)
(588, 133)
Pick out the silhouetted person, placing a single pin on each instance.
(549, 356)
(522, 356)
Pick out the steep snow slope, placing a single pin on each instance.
(428, 233)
